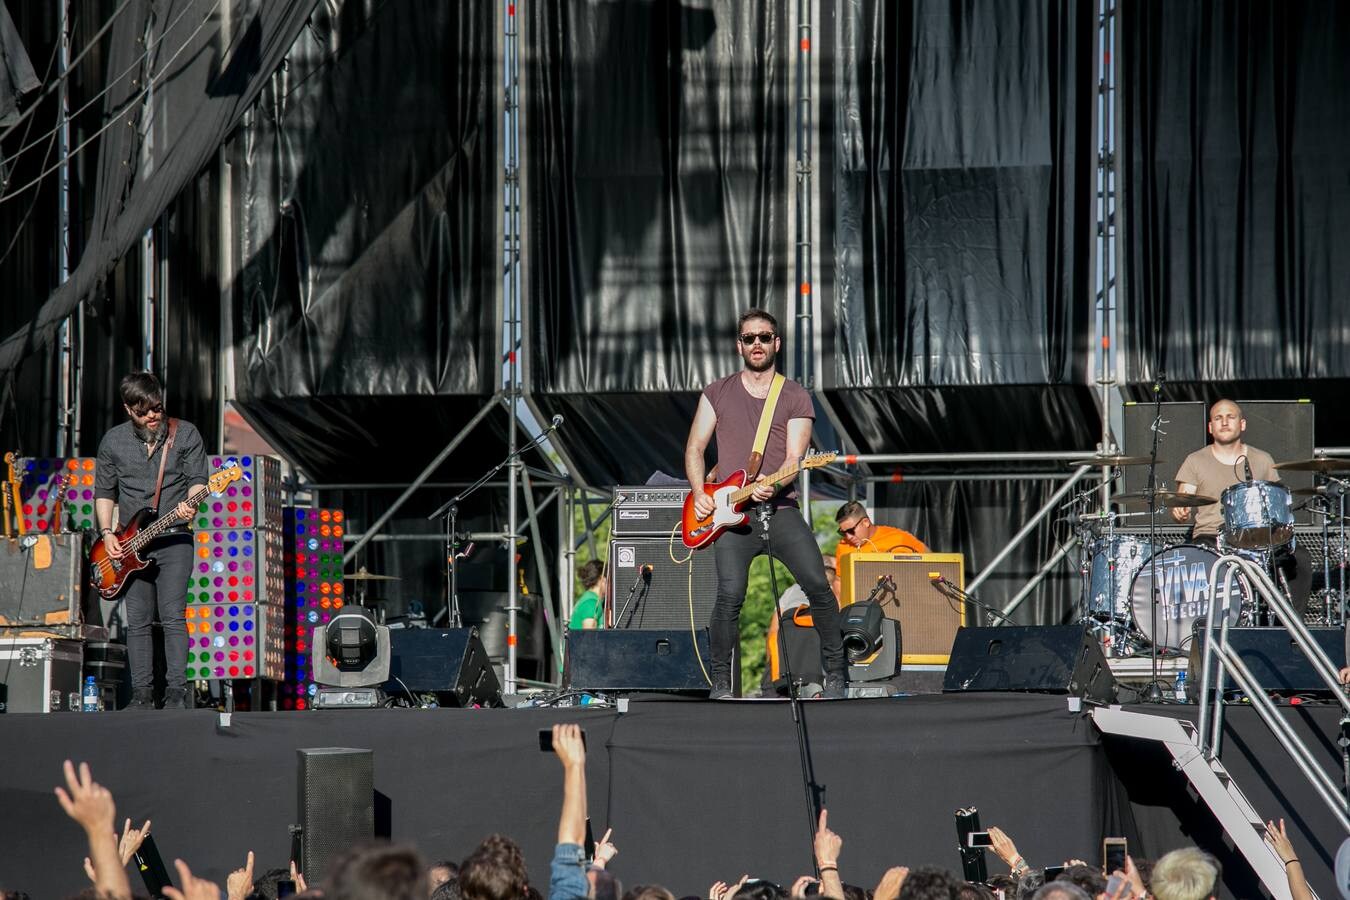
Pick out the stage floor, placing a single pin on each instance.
(695, 791)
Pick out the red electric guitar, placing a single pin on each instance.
(732, 495)
(109, 575)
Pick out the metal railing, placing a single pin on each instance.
(1220, 659)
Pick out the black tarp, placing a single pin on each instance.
(657, 206)
(17, 76)
(956, 224)
(151, 152)
(367, 319)
(1235, 200)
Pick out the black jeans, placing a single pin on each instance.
(163, 586)
(795, 546)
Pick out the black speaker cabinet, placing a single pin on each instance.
(1284, 429)
(449, 662)
(336, 805)
(1274, 658)
(1049, 659)
(662, 599)
(637, 660)
(1183, 432)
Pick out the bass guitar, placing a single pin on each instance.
(109, 576)
(731, 496)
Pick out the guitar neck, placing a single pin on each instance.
(157, 527)
(771, 479)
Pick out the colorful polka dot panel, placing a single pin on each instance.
(314, 592)
(44, 480)
(234, 640)
(240, 554)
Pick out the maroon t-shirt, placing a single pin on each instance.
(738, 417)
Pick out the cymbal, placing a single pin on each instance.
(1167, 499)
(1319, 464)
(362, 575)
(1114, 459)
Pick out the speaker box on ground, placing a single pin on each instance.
(449, 662)
(661, 600)
(927, 617)
(638, 660)
(1050, 659)
(1274, 658)
(336, 805)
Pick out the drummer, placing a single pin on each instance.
(1212, 469)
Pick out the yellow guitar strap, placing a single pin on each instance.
(765, 423)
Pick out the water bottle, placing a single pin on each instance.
(90, 697)
(1181, 686)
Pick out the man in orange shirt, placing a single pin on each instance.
(857, 532)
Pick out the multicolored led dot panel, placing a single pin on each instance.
(235, 640)
(41, 479)
(314, 591)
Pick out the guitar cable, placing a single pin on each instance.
(693, 628)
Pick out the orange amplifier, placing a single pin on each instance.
(928, 615)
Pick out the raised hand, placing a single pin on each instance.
(799, 887)
(828, 844)
(891, 882)
(131, 840)
(86, 801)
(193, 888)
(240, 881)
(1005, 848)
(605, 851)
(299, 878)
(568, 745)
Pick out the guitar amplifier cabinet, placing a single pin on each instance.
(645, 511)
(928, 617)
(41, 674)
(41, 584)
(661, 599)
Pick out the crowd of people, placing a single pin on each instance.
(496, 869)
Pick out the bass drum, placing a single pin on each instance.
(1185, 595)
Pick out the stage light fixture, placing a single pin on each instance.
(354, 650)
(861, 627)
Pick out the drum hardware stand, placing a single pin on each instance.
(1154, 693)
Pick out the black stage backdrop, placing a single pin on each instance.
(695, 792)
(367, 324)
(655, 171)
(956, 224)
(1235, 192)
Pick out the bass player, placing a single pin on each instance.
(152, 461)
(732, 410)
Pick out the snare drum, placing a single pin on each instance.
(1183, 574)
(1257, 515)
(1115, 561)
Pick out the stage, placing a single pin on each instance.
(695, 791)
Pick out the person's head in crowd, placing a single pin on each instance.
(1088, 878)
(378, 871)
(1029, 881)
(855, 525)
(853, 892)
(604, 886)
(441, 872)
(647, 892)
(590, 574)
(265, 885)
(930, 883)
(759, 889)
(446, 890)
(1186, 874)
(973, 890)
(532, 893)
(1005, 883)
(494, 871)
(1061, 889)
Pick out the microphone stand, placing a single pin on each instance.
(1154, 692)
(951, 590)
(764, 512)
(618, 620)
(450, 509)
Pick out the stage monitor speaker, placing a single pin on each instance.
(40, 584)
(1284, 429)
(1274, 658)
(661, 599)
(1048, 659)
(1183, 432)
(802, 645)
(637, 660)
(336, 805)
(927, 617)
(449, 662)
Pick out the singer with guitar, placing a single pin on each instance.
(1227, 461)
(152, 462)
(733, 411)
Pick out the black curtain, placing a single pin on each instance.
(656, 178)
(367, 324)
(956, 220)
(1235, 198)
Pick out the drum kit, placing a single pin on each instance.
(1119, 567)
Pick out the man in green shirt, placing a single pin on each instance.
(588, 611)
